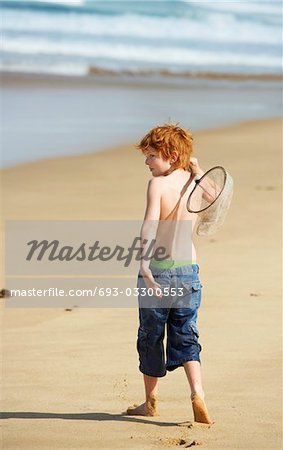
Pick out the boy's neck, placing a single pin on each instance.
(171, 170)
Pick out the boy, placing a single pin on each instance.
(168, 152)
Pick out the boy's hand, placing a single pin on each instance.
(151, 283)
(194, 166)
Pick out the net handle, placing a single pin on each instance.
(198, 180)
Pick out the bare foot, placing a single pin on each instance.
(149, 408)
(200, 410)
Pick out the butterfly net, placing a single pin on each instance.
(210, 200)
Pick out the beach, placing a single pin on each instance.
(81, 84)
(67, 375)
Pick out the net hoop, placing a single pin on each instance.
(211, 212)
(196, 186)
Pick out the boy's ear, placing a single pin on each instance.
(174, 157)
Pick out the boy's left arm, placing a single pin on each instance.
(211, 189)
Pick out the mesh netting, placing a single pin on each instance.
(210, 199)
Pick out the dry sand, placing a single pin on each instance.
(68, 375)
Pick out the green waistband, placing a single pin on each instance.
(169, 263)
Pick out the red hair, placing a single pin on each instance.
(166, 140)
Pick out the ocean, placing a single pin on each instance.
(69, 37)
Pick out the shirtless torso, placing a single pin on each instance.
(170, 194)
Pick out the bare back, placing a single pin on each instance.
(175, 222)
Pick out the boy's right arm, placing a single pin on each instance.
(149, 229)
(151, 220)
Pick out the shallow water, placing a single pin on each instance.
(46, 117)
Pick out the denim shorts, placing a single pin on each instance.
(177, 312)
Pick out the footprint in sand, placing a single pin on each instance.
(180, 442)
(173, 441)
(192, 443)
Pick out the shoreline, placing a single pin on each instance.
(148, 78)
(233, 76)
(127, 145)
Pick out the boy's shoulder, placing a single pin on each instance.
(156, 183)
